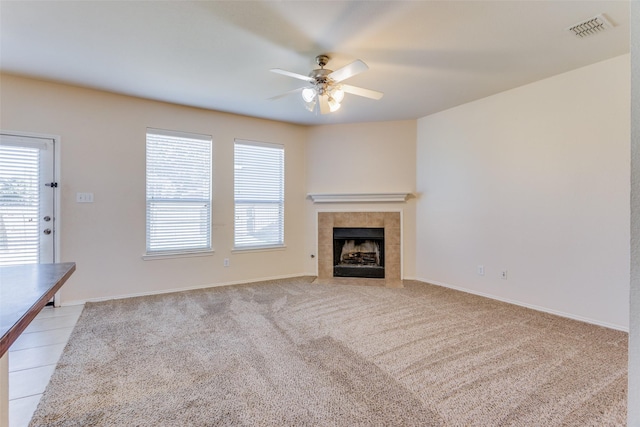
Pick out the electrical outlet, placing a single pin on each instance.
(226, 262)
(503, 274)
(481, 270)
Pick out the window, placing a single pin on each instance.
(258, 195)
(178, 192)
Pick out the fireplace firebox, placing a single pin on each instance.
(358, 252)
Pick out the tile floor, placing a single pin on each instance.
(33, 357)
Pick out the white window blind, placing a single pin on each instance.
(258, 194)
(178, 192)
(19, 204)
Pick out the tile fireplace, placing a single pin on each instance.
(360, 244)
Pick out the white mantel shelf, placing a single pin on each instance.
(359, 197)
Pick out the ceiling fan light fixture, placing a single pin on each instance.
(337, 94)
(334, 105)
(310, 105)
(308, 94)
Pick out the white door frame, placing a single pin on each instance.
(57, 192)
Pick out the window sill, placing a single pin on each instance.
(259, 249)
(169, 255)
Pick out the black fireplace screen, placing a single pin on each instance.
(358, 252)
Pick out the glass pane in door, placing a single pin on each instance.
(26, 203)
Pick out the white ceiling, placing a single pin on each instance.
(426, 56)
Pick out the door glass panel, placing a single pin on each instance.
(26, 165)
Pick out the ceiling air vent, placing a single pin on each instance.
(591, 26)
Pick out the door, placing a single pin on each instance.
(27, 197)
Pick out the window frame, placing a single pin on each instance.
(177, 251)
(280, 244)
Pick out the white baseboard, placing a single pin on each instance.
(531, 306)
(188, 288)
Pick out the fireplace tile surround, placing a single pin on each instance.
(391, 223)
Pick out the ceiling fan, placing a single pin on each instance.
(326, 89)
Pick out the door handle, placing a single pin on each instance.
(47, 231)
(47, 218)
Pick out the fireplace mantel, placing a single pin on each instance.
(359, 197)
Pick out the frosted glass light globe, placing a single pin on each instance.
(308, 94)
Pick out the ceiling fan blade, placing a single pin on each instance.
(349, 70)
(324, 105)
(273, 98)
(291, 74)
(367, 93)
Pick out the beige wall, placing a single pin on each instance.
(103, 152)
(363, 158)
(534, 180)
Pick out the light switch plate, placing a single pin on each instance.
(84, 197)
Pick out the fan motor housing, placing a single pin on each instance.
(320, 74)
(322, 60)
(321, 79)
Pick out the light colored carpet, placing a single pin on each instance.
(291, 353)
